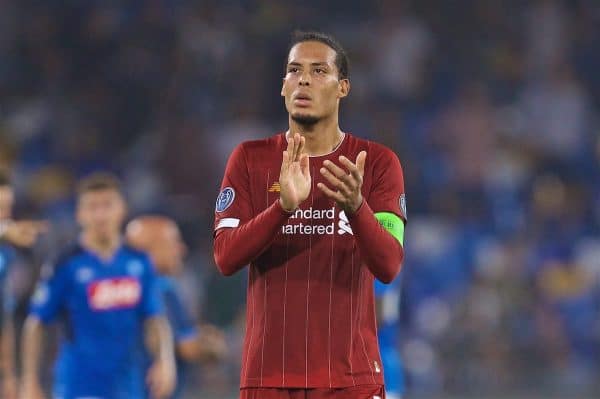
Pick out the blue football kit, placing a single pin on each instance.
(102, 305)
(7, 307)
(388, 335)
(181, 323)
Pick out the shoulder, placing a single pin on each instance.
(135, 257)
(253, 150)
(134, 253)
(376, 153)
(62, 260)
(67, 255)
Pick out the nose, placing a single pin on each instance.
(304, 79)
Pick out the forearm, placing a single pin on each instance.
(234, 248)
(158, 329)
(7, 343)
(4, 224)
(381, 252)
(31, 349)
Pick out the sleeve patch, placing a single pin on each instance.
(225, 199)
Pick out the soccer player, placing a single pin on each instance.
(23, 234)
(318, 214)
(387, 299)
(105, 294)
(160, 237)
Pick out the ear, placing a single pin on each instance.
(344, 88)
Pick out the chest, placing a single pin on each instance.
(108, 288)
(318, 225)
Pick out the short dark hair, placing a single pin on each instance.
(341, 58)
(99, 181)
(4, 177)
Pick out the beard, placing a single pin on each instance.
(305, 120)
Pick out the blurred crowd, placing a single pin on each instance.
(492, 106)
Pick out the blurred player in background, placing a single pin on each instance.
(105, 294)
(387, 299)
(22, 234)
(316, 228)
(160, 237)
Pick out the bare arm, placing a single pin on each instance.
(7, 359)
(162, 374)
(209, 344)
(31, 350)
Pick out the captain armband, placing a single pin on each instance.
(393, 224)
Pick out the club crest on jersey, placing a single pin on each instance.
(403, 206)
(84, 275)
(114, 293)
(225, 199)
(135, 268)
(344, 224)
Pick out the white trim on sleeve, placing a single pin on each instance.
(228, 222)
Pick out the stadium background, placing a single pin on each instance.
(491, 105)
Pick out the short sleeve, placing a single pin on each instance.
(50, 294)
(151, 304)
(387, 190)
(233, 206)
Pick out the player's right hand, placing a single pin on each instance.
(24, 233)
(31, 391)
(161, 378)
(294, 178)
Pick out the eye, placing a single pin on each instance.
(292, 70)
(320, 70)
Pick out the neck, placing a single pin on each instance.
(321, 138)
(104, 248)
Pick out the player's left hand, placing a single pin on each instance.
(161, 379)
(346, 181)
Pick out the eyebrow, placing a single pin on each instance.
(312, 64)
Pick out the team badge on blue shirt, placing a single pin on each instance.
(225, 199)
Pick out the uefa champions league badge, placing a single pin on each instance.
(225, 199)
(403, 206)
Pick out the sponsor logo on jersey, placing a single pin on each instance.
(114, 293)
(403, 206)
(317, 221)
(225, 199)
(344, 224)
(275, 187)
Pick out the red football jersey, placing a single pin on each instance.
(310, 305)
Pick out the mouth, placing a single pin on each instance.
(302, 100)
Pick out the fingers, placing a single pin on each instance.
(332, 170)
(360, 162)
(301, 144)
(293, 152)
(305, 165)
(334, 195)
(352, 168)
(342, 186)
